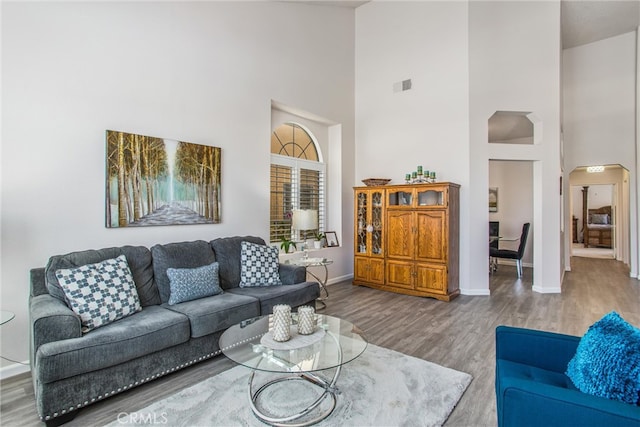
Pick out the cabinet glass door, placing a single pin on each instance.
(362, 200)
(376, 222)
(400, 198)
(432, 197)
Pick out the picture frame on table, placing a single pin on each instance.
(332, 239)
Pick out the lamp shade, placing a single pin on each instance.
(304, 219)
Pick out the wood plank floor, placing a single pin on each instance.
(458, 334)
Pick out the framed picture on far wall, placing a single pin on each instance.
(332, 239)
(493, 199)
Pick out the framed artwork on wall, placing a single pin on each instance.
(157, 181)
(493, 199)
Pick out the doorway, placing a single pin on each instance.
(511, 204)
(599, 212)
(593, 222)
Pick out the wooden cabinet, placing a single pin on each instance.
(420, 232)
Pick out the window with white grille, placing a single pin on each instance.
(297, 181)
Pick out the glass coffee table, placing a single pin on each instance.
(306, 358)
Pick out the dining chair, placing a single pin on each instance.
(494, 237)
(511, 254)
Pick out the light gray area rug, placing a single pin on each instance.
(380, 388)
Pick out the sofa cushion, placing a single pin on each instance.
(192, 283)
(100, 293)
(521, 371)
(607, 361)
(258, 265)
(294, 295)
(227, 250)
(150, 330)
(138, 259)
(178, 255)
(212, 314)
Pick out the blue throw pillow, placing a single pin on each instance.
(607, 361)
(259, 265)
(187, 284)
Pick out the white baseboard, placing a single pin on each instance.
(339, 279)
(13, 370)
(475, 292)
(541, 290)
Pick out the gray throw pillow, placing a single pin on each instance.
(259, 265)
(188, 284)
(100, 293)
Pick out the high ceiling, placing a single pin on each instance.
(588, 21)
(583, 21)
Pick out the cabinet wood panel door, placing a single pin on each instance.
(400, 274)
(368, 270)
(431, 237)
(400, 234)
(431, 278)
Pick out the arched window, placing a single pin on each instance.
(297, 180)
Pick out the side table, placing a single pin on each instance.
(5, 317)
(316, 262)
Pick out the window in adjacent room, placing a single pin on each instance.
(297, 180)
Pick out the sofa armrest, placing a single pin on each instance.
(291, 274)
(530, 403)
(38, 284)
(51, 320)
(541, 349)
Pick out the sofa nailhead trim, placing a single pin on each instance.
(142, 381)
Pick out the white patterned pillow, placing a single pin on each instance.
(192, 283)
(100, 293)
(258, 265)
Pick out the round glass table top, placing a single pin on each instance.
(336, 342)
(309, 262)
(6, 316)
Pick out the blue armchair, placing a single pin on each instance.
(532, 389)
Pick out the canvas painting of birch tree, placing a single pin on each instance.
(156, 181)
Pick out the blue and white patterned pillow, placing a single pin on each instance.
(259, 265)
(187, 284)
(100, 293)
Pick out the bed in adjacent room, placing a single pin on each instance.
(599, 228)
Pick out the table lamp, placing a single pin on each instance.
(303, 220)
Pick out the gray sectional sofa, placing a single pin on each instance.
(72, 369)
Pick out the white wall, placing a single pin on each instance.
(466, 61)
(599, 110)
(514, 180)
(203, 72)
(427, 125)
(515, 66)
(599, 196)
